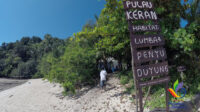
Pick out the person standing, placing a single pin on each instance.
(103, 74)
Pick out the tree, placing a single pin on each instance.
(24, 70)
(192, 13)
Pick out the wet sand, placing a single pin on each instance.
(10, 83)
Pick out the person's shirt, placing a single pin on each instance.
(103, 74)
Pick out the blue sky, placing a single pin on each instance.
(60, 18)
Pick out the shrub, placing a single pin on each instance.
(124, 80)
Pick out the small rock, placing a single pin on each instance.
(199, 110)
(125, 110)
(54, 107)
(10, 96)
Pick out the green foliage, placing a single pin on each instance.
(68, 87)
(192, 13)
(24, 70)
(75, 67)
(37, 75)
(44, 66)
(112, 27)
(183, 40)
(124, 80)
(157, 99)
(126, 77)
(21, 58)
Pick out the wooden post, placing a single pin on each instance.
(133, 69)
(135, 81)
(167, 96)
(141, 103)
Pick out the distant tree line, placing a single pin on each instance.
(20, 59)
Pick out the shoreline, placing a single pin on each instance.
(6, 84)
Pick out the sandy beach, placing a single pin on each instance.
(37, 95)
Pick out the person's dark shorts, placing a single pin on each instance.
(102, 83)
